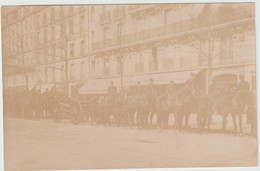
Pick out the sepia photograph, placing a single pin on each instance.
(129, 86)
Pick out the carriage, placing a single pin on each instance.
(68, 108)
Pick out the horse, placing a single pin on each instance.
(251, 111)
(204, 111)
(185, 105)
(231, 103)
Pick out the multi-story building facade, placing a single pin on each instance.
(165, 42)
(55, 40)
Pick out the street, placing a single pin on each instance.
(44, 144)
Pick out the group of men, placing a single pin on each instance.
(151, 89)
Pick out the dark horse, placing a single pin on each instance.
(230, 103)
(185, 105)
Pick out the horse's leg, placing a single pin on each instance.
(234, 121)
(187, 114)
(181, 118)
(240, 122)
(166, 120)
(199, 120)
(224, 121)
(209, 120)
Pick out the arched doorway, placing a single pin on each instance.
(225, 81)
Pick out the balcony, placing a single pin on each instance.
(134, 7)
(119, 12)
(105, 17)
(232, 16)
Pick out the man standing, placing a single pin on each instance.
(243, 88)
(151, 87)
(243, 85)
(170, 89)
(111, 92)
(139, 90)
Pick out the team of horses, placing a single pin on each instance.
(140, 109)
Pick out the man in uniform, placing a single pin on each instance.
(151, 87)
(139, 89)
(243, 88)
(171, 88)
(191, 83)
(111, 92)
(243, 85)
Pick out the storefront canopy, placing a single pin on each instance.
(162, 78)
(99, 86)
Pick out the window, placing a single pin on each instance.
(139, 67)
(53, 53)
(154, 62)
(82, 48)
(118, 68)
(71, 26)
(82, 70)
(71, 72)
(226, 53)
(45, 35)
(81, 7)
(53, 33)
(203, 48)
(45, 55)
(253, 82)
(52, 14)
(26, 42)
(93, 36)
(93, 67)
(82, 19)
(53, 75)
(71, 50)
(92, 13)
(26, 25)
(44, 18)
(70, 10)
(46, 74)
(61, 12)
(62, 73)
(106, 70)
(119, 30)
(61, 30)
(37, 21)
(105, 33)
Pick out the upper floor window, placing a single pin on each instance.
(52, 14)
(92, 13)
(71, 50)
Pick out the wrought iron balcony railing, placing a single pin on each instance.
(119, 12)
(105, 17)
(234, 15)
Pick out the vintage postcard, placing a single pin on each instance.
(168, 85)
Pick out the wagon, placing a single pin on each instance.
(68, 109)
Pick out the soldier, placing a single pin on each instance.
(243, 85)
(112, 89)
(111, 92)
(139, 89)
(151, 87)
(191, 83)
(243, 89)
(171, 88)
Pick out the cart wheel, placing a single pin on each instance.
(57, 116)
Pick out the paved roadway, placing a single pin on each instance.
(43, 144)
